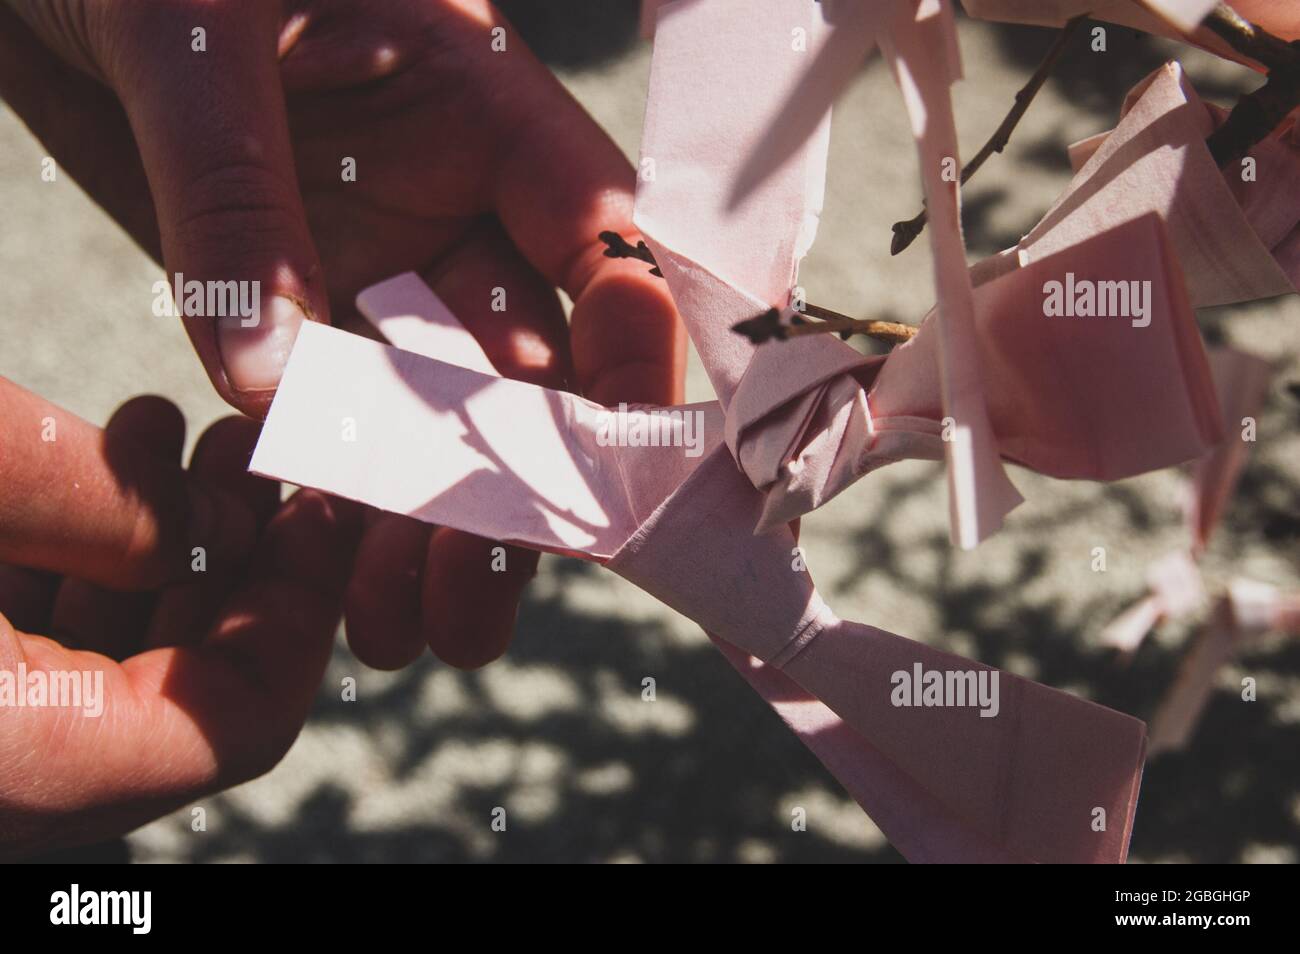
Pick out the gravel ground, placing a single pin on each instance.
(557, 732)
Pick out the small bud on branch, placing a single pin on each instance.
(619, 247)
(769, 325)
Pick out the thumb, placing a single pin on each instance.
(200, 84)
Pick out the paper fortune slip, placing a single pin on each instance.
(954, 761)
(517, 462)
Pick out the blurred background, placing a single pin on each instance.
(557, 732)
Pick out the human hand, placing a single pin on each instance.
(182, 683)
(474, 167)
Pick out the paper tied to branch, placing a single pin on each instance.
(738, 144)
(513, 461)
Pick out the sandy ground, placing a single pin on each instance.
(556, 732)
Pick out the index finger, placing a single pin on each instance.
(100, 507)
(562, 181)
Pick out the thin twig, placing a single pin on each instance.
(905, 233)
(1250, 40)
(1255, 115)
(769, 325)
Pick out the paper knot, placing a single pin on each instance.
(817, 619)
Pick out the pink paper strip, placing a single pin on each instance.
(920, 47)
(1156, 161)
(1025, 782)
(459, 448)
(1242, 381)
(1167, 17)
(1023, 785)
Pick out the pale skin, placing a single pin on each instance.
(474, 167)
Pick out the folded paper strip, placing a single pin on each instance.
(739, 145)
(439, 436)
(1179, 19)
(514, 461)
(1237, 238)
(1173, 18)
(800, 417)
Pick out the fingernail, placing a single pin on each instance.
(254, 355)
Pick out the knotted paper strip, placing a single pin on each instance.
(1237, 241)
(732, 210)
(438, 442)
(738, 143)
(797, 416)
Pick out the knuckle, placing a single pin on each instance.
(238, 199)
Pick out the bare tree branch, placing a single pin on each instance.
(905, 233)
(1257, 113)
